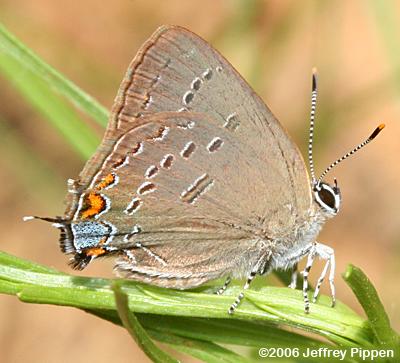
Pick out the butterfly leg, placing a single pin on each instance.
(306, 271)
(320, 280)
(241, 295)
(328, 254)
(293, 279)
(222, 289)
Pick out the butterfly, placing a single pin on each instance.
(196, 180)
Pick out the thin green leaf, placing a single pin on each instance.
(61, 115)
(135, 329)
(15, 51)
(368, 298)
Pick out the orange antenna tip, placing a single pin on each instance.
(377, 131)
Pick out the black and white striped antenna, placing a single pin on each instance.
(311, 130)
(314, 181)
(358, 147)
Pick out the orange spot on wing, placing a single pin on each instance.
(95, 251)
(107, 180)
(95, 204)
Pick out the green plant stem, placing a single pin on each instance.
(270, 304)
(369, 300)
(135, 329)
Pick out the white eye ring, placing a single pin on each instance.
(336, 196)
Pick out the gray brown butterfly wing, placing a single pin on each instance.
(175, 70)
(244, 190)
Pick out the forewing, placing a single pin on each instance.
(176, 70)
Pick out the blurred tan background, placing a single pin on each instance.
(274, 45)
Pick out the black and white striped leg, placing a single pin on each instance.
(326, 253)
(293, 279)
(222, 289)
(320, 280)
(310, 261)
(241, 295)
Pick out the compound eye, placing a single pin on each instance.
(327, 197)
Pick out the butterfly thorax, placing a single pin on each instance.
(289, 249)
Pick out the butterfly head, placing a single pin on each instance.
(328, 197)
